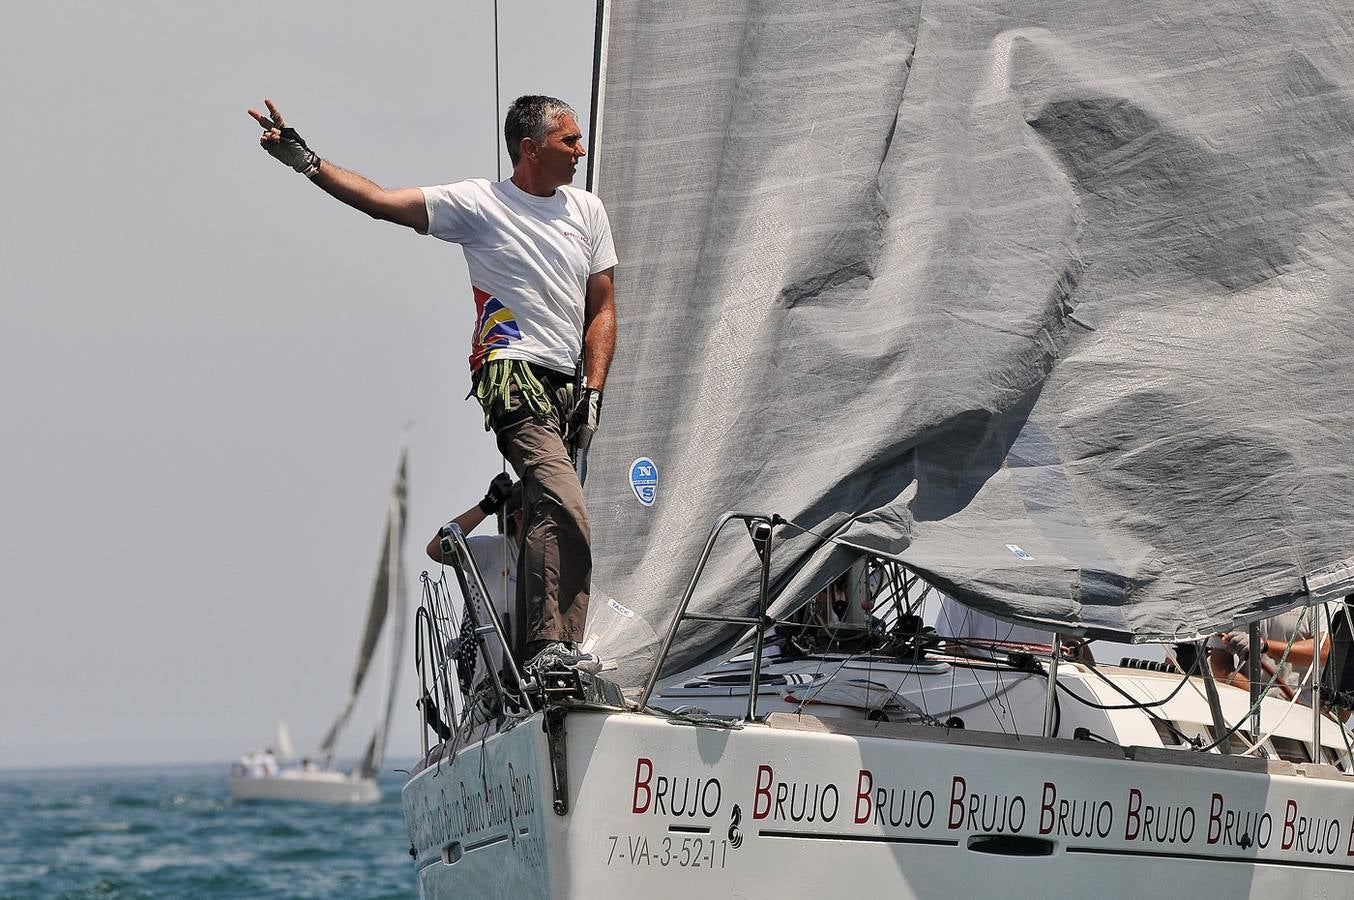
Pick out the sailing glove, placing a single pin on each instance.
(499, 489)
(587, 415)
(1238, 643)
(292, 151)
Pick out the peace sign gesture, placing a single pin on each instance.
(283, 143)
(272, 124)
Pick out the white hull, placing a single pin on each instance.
(313, 787)
(800, 806)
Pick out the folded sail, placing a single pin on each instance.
(1051, 301)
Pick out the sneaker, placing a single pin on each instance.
(563, 655)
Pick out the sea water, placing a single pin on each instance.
(173, 832)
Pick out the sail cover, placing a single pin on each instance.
(1051, 301)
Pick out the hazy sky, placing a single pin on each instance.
(206, 362)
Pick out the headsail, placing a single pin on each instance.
(385, 588)
(1052, 302)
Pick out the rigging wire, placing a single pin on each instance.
(1133, 702)
(897, 577)
(498, 173)
(498, 103)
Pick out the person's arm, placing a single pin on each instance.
(499, 489)
(403, 206)
(467, 521)
(1223, 664)
(599, 327)
(1301, 652)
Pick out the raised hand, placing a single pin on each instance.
(283, 143)
(499, 489)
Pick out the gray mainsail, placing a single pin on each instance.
(1050, 301)
(387, 601)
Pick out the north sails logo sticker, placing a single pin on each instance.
(644, 480)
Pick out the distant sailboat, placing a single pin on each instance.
(325, 783)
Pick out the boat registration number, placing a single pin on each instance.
(686, 852)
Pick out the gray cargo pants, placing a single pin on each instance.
(554, 569)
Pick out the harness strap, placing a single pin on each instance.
(492, 388)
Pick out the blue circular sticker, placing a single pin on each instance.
(644, 480)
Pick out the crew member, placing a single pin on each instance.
(496, 555)
(541, 263)
(1291, 631)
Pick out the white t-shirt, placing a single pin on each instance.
(496, 557)
(529, 258)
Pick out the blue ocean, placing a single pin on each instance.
(172, 831)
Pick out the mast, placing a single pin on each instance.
(598, 89)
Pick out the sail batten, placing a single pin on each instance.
(1050, 303)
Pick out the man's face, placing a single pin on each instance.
(558, 157)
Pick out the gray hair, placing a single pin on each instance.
(532, 116)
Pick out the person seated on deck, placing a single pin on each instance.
(496, 555)
(1228, 661)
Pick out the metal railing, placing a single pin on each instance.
(439, 626)
(761, 528)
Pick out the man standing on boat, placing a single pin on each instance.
(541, 263)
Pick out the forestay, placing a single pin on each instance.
(1050, 300)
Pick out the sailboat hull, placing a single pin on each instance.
(800, 805)
(312, 787)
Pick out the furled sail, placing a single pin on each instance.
(1050, 301)
(385, 589)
